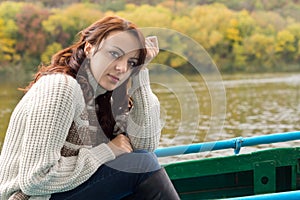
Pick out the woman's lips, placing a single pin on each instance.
(114, 78)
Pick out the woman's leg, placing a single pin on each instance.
(116, 179)
(157, 187)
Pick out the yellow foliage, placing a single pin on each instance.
(259, 45)
(298, 53)
(209, 24)
(233, 33)
(9, 9)
(211, 17)
(245, 23)
(162, 57)
(285, 42)
(236, 37)
(177, 61)
(182, 24)
(1, 28)
(50, 50)
(73, 18)
(215, 38)
(130, 6)
(7, 42)
(148, 16)
(233, 23)
(294, 29)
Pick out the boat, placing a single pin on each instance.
(263, 174)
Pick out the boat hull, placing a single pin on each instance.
(260, 172)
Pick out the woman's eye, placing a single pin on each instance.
(115, 54)
(132, 63)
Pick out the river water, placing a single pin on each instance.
(194, 110)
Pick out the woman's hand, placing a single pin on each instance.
(152, 48)
(120, 145)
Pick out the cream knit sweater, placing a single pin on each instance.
(30, 160)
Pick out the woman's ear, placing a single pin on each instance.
(87, 49)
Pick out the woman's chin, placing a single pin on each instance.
(109, 87)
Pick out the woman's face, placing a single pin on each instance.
(112, 63)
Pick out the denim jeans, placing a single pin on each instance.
(115, 179)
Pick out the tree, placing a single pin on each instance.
(245, 23)
(63, 25)
(49, 52)
(31, 36)
(8, 32)
(295, 30)
(6, 44)
(285, 46)
(268, 22)
(259, 49)
(147, 16)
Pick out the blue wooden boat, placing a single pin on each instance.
(264, 174)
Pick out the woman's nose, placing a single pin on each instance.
(121, 65)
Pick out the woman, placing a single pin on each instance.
(80, 132)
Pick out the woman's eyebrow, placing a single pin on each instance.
(123, 52)
(134, 58)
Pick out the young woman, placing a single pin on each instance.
(88, 124)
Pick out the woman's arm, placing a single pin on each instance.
(143, 125)
(53, 106)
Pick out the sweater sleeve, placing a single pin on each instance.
(54, 100)
(143, 125)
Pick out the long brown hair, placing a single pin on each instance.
(69, 60)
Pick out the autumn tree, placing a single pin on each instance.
(31, 35)
(64, 24)
(259, 49)
(294, 29)
(240, 36)
(8, 32)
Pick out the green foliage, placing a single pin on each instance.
(64, 24)
(50, 51)
(8, 32)
(240, 36)
(259, 49)
(285, 46)
(147, 16)
(6, 43)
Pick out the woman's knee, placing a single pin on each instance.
(139, 161)
(148, 158)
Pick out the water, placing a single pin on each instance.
(255, 105)
(9, 97)
(194, 112)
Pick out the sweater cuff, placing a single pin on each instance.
(102, 153)
(140, 80)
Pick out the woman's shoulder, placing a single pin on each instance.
(58, 78)
(57, 81)
(57, 85)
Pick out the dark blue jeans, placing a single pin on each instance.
(115, 179)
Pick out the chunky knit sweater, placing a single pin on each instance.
(31, 159)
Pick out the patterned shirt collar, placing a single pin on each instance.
(94, 84)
